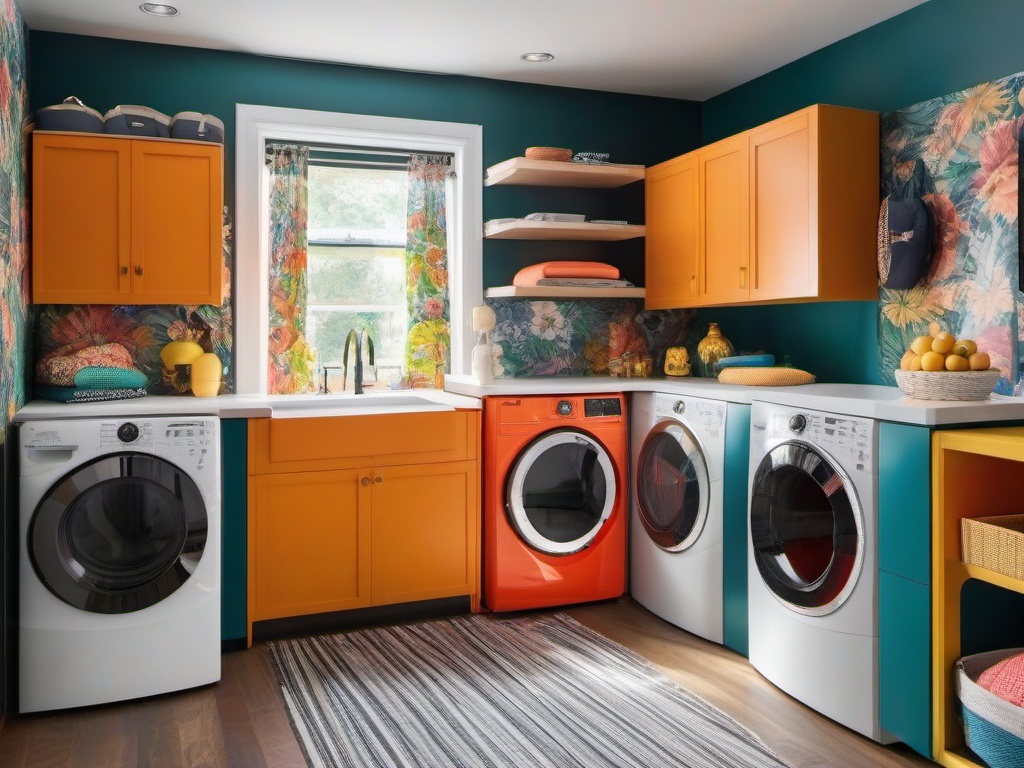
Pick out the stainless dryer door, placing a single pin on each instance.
(561, 491)
(672, 486)
(118, 534)
(806, 528)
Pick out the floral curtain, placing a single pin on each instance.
(426, 259)
(291, 361)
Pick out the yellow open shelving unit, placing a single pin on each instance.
(975, 473)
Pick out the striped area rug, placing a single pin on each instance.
(482, 692)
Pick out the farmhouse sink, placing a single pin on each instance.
(305, 406)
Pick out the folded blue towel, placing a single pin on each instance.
(77, 395)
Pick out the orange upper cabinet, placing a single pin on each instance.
(786, 212)
(118, 220)
(673, 210)
(723, 221)
(814, 196)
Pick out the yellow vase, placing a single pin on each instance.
(206, 374)
(180, 353)
(711, 349)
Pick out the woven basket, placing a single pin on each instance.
(993, 727)
(549, 153)
(765, 376)
(996, 543)
(948, 385)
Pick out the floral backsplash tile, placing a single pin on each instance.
(590, 337)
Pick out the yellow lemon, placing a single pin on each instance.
(932, 361)
(905, 360)
(957, 363)
(914, 364)
(943, 343)
(980, 361)
(968, 345)
(921, 344)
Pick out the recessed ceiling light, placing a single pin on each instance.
(158, 9)
(537, 57)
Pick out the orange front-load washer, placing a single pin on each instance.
(555, 500)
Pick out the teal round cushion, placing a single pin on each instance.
(107, 377)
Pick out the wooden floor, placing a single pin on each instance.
(241, 721)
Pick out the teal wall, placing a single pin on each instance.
(936, 48)
(633, 129)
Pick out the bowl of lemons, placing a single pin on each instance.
(942, 367)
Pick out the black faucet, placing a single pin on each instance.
(356, 338)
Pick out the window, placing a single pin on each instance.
(356, 264)
(256, 125)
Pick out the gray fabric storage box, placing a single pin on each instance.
(71, 115)
(132, 120)
(197, 126)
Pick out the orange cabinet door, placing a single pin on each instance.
(673, 217)
(783, 208)
(126, 221)
(424, 532)
(725, 214)
(309, 536)
(81, 219)
(177, 224)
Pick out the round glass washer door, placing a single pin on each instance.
(561, 491)
(672, 487)
(807, 529)
(118, 534)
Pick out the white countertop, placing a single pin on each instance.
(251, 406)
(866, 400)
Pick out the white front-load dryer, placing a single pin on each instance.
(676, 526)
(119, 559)
(813, 569)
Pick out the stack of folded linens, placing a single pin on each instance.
(96, 373)
(581, 274)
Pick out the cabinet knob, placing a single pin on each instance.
(364, 482)
(124, 270)
(378, 479)
(138, 269)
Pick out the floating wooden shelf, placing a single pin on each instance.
(525, 229)
(554, 173)
(562, 292)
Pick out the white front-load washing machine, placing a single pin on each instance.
(676, 521)
(119, 559)
(813, 569)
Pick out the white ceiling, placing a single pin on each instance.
(689, 49)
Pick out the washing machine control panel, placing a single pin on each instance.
(602, 406)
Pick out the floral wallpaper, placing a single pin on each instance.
(13, 213)
(592, 337)
(959, 153)
(143, 330)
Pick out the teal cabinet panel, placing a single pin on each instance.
(234, 451)
(734, 556)
(904, 501)
(904, 663)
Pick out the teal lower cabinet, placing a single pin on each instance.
(234, 563)
(734, 533)
(904, 586)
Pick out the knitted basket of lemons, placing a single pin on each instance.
(948, 385)
(766, 376)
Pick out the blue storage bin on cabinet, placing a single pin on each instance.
(993, 727)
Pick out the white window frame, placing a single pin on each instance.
(255, 125)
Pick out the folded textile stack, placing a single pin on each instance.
(580, 273)
(93, 374)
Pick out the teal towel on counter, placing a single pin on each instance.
(108, 377)
(79, 395)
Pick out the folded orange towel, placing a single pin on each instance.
(528, 276)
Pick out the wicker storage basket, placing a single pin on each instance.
(996, 543)
(948, 385)
(993, 727)
(549, 153)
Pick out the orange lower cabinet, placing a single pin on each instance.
(424, 532)
(310, 540)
